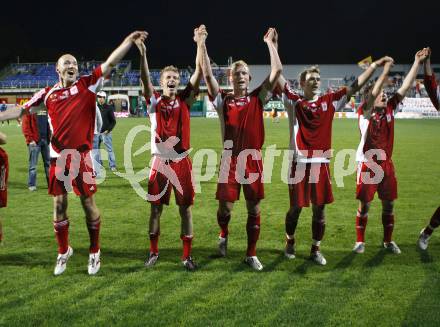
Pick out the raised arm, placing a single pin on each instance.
(119, 53)
(147, 86)
(430, 82)
(12, 113)
(377, 88)
(365, 76)
(205, 65)
(427, 63)
(419, 58)
(271, 39)
(199, 32)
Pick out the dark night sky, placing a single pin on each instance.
(310, 31)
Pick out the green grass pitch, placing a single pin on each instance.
(372, 289)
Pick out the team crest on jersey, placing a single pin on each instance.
(324, 106)
(74, 90)
(388, 118)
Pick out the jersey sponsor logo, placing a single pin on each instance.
(74, 90)
(64, 95)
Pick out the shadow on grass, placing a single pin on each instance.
(422, 311)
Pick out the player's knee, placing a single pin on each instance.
(253, 208)
(60, 207)
(387, 207)
(318, 214)
(225, 209)
(364, 207)
(185, 212)
(156, 211)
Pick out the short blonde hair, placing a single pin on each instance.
(237, 64)
(308, 70)
(170, 68)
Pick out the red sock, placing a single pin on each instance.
(223, 222)
(187, 244)
(433, 223)
(388, 227)
(61, 229)
(253, 233)
(94, 227)
(361, 226)
(154, 243)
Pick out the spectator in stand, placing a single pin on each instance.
(36, 131)
(108, 123)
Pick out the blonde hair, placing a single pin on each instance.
(170, 68)
(308, 70)
(237, 64)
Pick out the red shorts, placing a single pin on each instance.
(72, 171)
(386, 188)
(232, 177)
(176, 175)
(315, 186)
(4, 172)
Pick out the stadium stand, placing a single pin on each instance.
(37, 75)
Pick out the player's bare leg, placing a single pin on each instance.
(253, 234)
(318, 229)
(93, 220)
(223, 217)
(187, 236)
(388, 226)
(361, 225)
(154, 232)
(61, 228)
(291, 222)
(426, 232)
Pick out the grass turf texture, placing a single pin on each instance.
(375, 288)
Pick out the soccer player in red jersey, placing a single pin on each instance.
(170, 141)
(242, 127)
(71, 107)
(375, 166)
(4, 171)
(310, 121)
(434, 94)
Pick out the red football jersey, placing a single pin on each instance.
(71, 112)
(242, 118)
(312, 123)
(378, 131)
(433, 90)
(170, 118)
